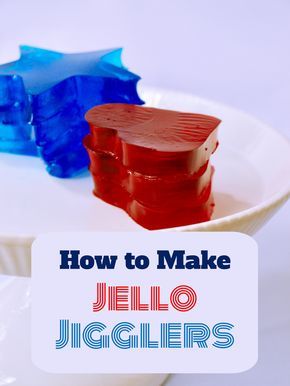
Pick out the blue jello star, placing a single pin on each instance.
(47, 93)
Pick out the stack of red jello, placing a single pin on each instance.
(153, 163)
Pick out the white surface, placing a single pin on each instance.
(246, 179)
(232, 51)
(15, 303)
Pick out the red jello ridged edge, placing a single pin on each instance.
(153, 219)
(149, 190)
(153, 141)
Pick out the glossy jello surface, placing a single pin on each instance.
(16, 132)
(153, 163)
(44, 96)
(153, 141)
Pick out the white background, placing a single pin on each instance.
(235, 51)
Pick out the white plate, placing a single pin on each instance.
(251, 182)
(16, 367)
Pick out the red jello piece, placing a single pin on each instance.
(153, 219)
(153, 141)
(155, 191)
(153, 163)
